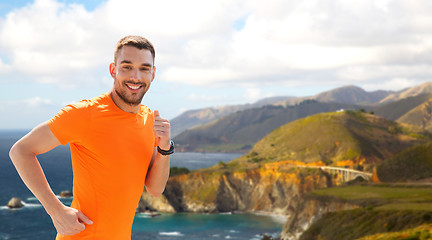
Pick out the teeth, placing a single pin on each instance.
(133, 87)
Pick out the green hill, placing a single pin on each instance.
(412, 164)
(331, 137)
(241, 130)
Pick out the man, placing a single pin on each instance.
(118, 146)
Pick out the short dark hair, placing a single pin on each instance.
(134, 41)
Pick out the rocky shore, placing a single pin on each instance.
(266, 190)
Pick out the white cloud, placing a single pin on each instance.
(200, 42)
(36, 101)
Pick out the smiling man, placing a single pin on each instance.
(118, 147)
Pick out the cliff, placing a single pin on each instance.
(268, 189)
(309, 211)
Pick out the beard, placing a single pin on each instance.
(131, 99)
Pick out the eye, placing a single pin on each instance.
(145, 69)
(126, 67)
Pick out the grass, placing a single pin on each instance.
(416, 206)
(383, 197)
(389, 212)
(357, 223)
(386, 208)
(423, 232)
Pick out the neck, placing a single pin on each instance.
(122, 105)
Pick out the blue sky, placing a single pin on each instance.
(209, 53)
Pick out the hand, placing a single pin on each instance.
(162, 130)
(70, 221)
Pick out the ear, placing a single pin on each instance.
(112, 70)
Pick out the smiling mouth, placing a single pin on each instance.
(133, 86)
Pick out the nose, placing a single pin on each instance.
(135, 75)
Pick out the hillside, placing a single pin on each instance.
(382, 210)
(409, 92)
(420, 116)
(346, 95)
(351, 94)
(239, 131)
(412, 164)
(192, 118)
(338, 136)
(395, 110)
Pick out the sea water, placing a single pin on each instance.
(32, 222)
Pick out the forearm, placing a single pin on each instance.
(158, 175)
(31, 173)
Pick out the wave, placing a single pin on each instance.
(148, 214)
(173, 234)
(32, 199)
(58, 196)
(31, 205)
(226, 213)
(276, 217)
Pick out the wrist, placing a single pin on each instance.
(54, 207)
(164, 145)
(166, 151)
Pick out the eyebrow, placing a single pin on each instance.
(129, 62)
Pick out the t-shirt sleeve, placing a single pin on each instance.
(69, 124)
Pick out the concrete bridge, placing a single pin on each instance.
(347, 174)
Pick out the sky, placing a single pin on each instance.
(208, 53)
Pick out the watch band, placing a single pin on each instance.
(167, 152)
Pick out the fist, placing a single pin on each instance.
(162, 130)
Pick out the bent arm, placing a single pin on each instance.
(67, 221)
(23, 155)
(158, 174)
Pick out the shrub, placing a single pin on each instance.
(178, 171)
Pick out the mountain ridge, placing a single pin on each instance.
(238, 129)
(425, 87)
(345, 94)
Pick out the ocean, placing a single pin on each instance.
(32, 222)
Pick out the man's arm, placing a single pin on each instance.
(67, 221)
(158, 173)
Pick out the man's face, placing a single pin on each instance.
(133, 73)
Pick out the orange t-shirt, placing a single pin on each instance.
(111, 151)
